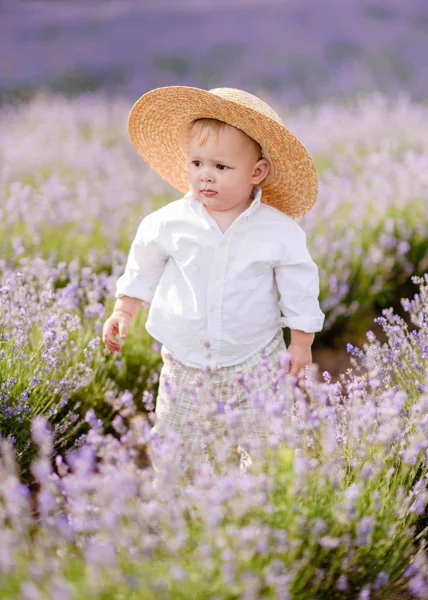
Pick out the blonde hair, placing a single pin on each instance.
(203, 128)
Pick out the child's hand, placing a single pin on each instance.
(117, 323)
(301, 356)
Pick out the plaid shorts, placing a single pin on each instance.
(194, 402)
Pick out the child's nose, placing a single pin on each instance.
(206, 175)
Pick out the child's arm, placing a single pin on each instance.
(129, 305)
(300, 350)
(298, 286)
(146, 261)
(144, 267)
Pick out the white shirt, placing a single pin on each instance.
(227, 289)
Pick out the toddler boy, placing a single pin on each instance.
(218, 266)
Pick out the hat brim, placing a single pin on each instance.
(156, 121)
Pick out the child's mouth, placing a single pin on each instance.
(208, 193)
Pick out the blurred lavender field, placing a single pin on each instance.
(301, 51)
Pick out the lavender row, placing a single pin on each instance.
(52, 361)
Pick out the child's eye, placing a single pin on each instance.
(197, 163)
(222, 167)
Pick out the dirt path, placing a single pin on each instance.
(333, 360)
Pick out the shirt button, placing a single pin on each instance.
(217, 276)
(212, 308)
(221, 243)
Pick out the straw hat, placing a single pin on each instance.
(157, 119)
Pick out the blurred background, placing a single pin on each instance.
(298, 50)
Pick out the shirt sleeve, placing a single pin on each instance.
(145, 264)
(298, 285)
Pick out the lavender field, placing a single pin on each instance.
(334, 504)
(339, 507)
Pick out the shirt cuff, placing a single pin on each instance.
(306, 324)
(143, 290)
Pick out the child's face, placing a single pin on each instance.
(223, 170)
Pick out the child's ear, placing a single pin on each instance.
(260, 171)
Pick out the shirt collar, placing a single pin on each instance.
(197, 206)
